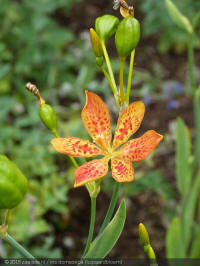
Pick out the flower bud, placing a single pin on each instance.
(48, 117)
(99, 61)
(144, 236)
(93, 189)
(96, 45)
(127, 36)
(106, 26)
(151, 253)
(13, 184)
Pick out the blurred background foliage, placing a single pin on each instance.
(47, 43)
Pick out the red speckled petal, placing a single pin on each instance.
(122, 170)
(96, 119)
(75, 147)
(90, 171)
(138, 149)
(128, 123)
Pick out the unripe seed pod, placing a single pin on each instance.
(99, 61)
(48, 116)
(127, 36)
(143, 234)
(96, 45)
(13, 184)
(106, 26)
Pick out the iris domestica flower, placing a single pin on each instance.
(122, 153)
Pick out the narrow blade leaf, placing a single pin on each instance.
(174, 243)
(103, 244)
(188, 211)
(181, 20)
(183, 153)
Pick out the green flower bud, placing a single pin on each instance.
(151, 253)
(106, 26)
(127, 36)
(93, 189)
(48, 117)
(144, 236)
(13, 184)
(96, 45)
(99, 61)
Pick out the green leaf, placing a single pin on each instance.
(183, 153)
(188, 211)
(195, 249)
(174, 243)
(197, 124)
(181, 20)
(103, 244)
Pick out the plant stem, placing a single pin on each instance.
(191, 62)
(12, 242)
(130, 74)
(121, 80)
(110, 83)
(111, 207)
(109, 66)
(92, 222)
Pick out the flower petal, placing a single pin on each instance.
(128, 123)
(90, 171)
(75, 147)
(96, 119)
(138, 149)
(122, 170)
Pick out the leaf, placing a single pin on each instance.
(174, 243)
(195, 249)
(181, 20)
(197, 124)
(183, 152)
(103, 244)
(188, 211)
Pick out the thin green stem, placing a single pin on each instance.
(12, 242)
(110, 71)
(92, 223)
(121, 80)
(130, 74)
(110, 83)
(111, 207)
(191, 62)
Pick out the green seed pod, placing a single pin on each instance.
(96, 45)
(48, 116)
(127, 36)
(143, 234)
(99, 61)
(13, 184)
(106, 26)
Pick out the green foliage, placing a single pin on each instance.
(103, 244)
(181, 238)
(174, 241)
(183, 154)
(170, 34)
(181, 20)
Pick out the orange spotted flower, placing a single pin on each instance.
(96, 119)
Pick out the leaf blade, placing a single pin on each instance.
(181, 20)
(103, 244)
